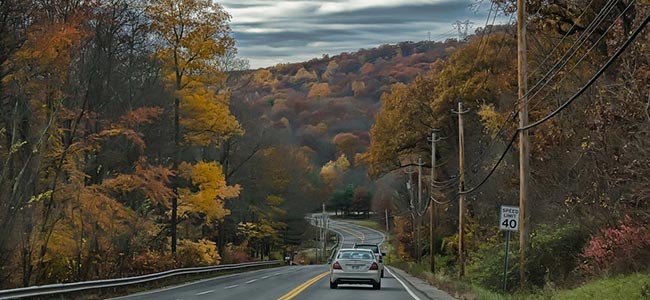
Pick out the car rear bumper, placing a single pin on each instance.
(368, 277)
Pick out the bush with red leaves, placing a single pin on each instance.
(623, 249)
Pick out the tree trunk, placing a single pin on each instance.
(177, 137)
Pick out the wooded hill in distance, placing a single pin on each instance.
(319, 113)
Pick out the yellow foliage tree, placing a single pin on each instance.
(264, 77)
(319, 90)
(332, 67)
(303, 74)
(206, 117)
(194, 34)
(332, 171)
(359, 88)
(347, 143)
(208, 193)
(342, 163)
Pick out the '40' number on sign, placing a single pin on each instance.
(509, 223)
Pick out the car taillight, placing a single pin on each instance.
(374, 266)
(337, 266)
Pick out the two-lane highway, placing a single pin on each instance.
(351, 233)
(260, 284)
(291, 282)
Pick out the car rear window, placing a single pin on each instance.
(371, 247)
(351, 254)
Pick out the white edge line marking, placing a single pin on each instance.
(251, 281)
(231, 286)
(185, 285)
(203, 293)
(265, 277)
(403, 284)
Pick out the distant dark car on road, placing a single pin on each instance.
(375, 249)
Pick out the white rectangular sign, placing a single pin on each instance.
(509, 218)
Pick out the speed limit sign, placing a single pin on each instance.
(509, 218)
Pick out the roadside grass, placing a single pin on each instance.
(629, 287)
(624, 287)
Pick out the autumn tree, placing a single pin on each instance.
(319, 90)
(348, 143)
(193, 34)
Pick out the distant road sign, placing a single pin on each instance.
(509, 218)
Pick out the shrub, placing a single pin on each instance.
(235, 254)
(623, 249)
(150, 262)
(485, 266)
(552, 256)
(554, 253)
(199, 253)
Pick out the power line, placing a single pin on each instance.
(593, 79)
(564, 60)
(551, 72)
(479, 53)
(568, 102)
(590, 49)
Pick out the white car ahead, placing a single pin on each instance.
(355, 266)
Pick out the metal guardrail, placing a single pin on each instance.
(54, 289)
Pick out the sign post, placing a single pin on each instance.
(508, 221)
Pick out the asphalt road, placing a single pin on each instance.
(290, 282)
(351, 233)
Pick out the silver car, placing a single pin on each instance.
(378, 254)
(355, 266)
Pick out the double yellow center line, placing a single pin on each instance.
(360, 234)
(295, 292)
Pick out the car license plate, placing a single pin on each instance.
(355, 267)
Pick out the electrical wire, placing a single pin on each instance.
(480, 45)
(539, 66)
(562, 61)
(593, 79)
(565, 60)
(590, 49)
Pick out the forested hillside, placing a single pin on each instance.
(322, 111)
(589, 162)
(134, 139)
(132, 146)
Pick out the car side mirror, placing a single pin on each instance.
(329, 261)
(383, 254)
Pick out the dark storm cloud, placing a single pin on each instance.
(447, 12)
(273, 31)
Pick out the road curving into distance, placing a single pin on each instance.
(291, 282)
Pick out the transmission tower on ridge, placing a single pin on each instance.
(462, 27)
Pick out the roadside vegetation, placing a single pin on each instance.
(633, 286)
(588, 222)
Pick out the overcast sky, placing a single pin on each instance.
(278, 31)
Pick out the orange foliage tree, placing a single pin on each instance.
(194, 34)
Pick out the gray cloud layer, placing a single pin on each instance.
(270, 32)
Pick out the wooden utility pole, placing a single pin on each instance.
(419, 212)
(432, 206)
(524, 150)
(414, 213)
(386, 213)
(461, 187)
(325, 227)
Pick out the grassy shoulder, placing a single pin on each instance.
(629, 287)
